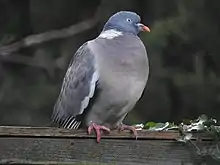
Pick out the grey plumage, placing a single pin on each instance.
(111, 72)
(76, 86)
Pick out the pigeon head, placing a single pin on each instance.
(126, 21)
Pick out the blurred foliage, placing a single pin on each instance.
(183, 49)
(209, 127)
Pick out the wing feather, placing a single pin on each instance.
(78, 88)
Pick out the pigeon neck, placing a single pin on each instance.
(110, 34)
(109, 26)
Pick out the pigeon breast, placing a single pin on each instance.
(123, 68)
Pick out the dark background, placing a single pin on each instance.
(183, 49)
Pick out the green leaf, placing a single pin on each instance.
(159, 126)
(150, 124)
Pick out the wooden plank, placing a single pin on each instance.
(27, 145)
(68, 133)
(108, 151)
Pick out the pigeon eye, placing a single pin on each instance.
(128, 20)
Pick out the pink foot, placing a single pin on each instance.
(128, 127)
(98, 129)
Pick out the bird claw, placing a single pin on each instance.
(98, 129)
(128, 127)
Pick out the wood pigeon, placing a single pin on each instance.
(105, 78)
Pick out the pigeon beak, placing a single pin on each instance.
(142, 27)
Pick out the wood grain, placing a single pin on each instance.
(59, 132)
(27, 145)
(108, 151)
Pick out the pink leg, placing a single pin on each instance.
(98, 129)
(122, 127)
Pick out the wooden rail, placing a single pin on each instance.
(48, 145)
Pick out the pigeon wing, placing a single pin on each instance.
(79, 85)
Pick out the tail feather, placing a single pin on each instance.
(69, 122)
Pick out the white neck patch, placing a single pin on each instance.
(110, 34)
